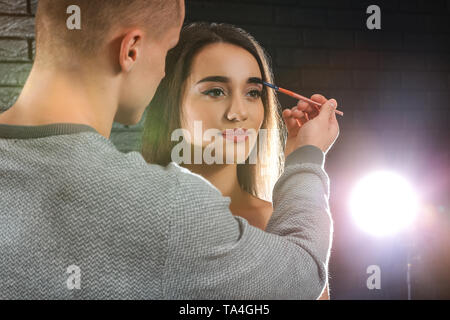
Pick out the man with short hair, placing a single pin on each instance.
(81, 220)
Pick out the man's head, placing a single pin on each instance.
(127, 40)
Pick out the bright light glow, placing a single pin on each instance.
(383, 203)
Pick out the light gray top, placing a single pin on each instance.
(72, 207)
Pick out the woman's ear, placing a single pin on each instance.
(130, 49)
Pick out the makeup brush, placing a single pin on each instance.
(298, 96)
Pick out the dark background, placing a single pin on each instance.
(393, 86)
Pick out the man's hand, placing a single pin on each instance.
(307, 126)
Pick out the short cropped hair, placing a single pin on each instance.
(98, 17)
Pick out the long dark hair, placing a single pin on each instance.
(165, 113)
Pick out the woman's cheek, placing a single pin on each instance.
(260, 117)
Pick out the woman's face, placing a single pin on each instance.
(223, 93)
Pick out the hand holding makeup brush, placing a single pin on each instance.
(320, 129)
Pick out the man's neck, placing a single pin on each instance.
(64, 97)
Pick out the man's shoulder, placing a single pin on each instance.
(97, 167)
(101, 156)
(132, 168)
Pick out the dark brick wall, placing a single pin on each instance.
(392, 84)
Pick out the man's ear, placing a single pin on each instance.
(130, 49)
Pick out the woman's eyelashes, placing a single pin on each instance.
(219, 92)
(214, 92)
(255, 93)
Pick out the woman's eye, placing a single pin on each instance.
(255, 94)
(214, 92)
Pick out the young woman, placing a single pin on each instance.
(213, 85)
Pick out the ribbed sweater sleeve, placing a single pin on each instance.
(215, 255)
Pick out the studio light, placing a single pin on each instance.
(383, 203)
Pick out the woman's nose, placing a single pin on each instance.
(237, 111)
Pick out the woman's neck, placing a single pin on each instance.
(222, 176)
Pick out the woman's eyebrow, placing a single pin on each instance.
(215, 79)
(254, 80)
(227, 80)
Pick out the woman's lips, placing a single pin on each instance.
(235, 135)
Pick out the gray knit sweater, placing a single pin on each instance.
(81, 220)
